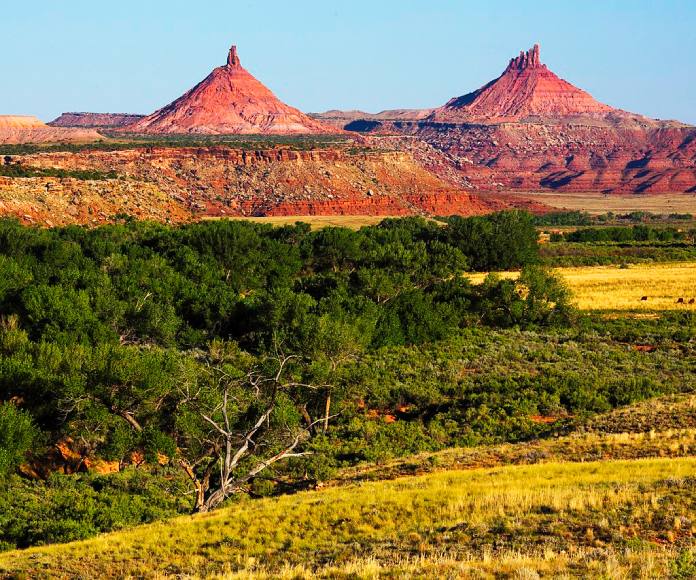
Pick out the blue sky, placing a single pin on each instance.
(135, 56)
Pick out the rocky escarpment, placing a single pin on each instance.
(229, 101)
(50, 201)
(347, 119)
(530, 130)
(95, 120)
(561, 157)
(20, 129)
(223, 181)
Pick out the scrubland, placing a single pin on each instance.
(511, 428)
(353, 222)
(599, 203)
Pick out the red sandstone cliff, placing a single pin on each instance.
(219, 181)
(530, 130)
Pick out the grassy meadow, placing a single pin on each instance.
(603, 519)
(611, 288)
(599, 203)
(353, 222)
(621, 288)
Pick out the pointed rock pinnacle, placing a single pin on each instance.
(529, 59)
(232, 58)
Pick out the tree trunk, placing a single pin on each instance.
(200, 498)
(327, 412)
(200, 487)
(213, 500)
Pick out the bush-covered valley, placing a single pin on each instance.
(147, 370)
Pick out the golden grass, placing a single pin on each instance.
(599, 203)
(316, 221)
(578, 447)
(550, 519)
(510, 564)
(615, 288)
(607, 287)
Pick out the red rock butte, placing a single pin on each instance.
(229, 101)
(526, 89)
(529, 130)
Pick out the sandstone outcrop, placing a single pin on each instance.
(526, 89)
(50, 201)
(229, 101)
(20, 129)
(222, 181)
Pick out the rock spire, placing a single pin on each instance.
(525, 60)
(232, 57)
(526, 89)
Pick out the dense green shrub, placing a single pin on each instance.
(152, 284)
(17, 436)
(66, 508)
(502, 241)
(18, 170)
(637, 233)
(562, 253)
(581, 218)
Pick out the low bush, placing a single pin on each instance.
(17, 437)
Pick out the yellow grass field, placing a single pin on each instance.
(599, 203)
(523, 521)
(614, 288)
(353, 222)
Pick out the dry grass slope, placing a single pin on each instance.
(611, 519)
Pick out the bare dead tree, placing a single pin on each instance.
(232, 457)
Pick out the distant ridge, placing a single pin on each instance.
(344, 119)
(95, 120)
(20, 122)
